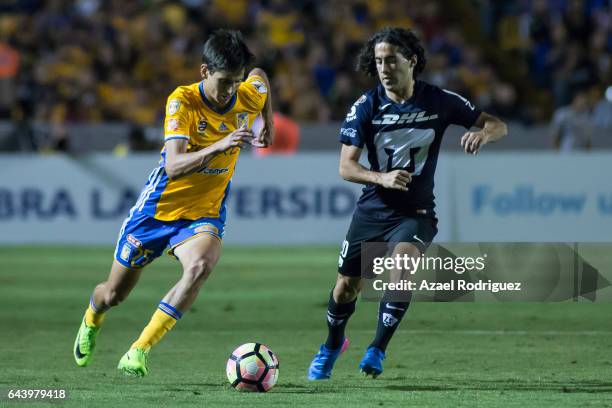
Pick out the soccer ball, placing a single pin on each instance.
(252, 367)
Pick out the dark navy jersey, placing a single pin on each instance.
(404, 136)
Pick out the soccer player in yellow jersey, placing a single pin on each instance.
(182, 206)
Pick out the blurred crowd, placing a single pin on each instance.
(117, 60)
(564, 47)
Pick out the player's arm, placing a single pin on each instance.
(352, 171)
(491, 130)
(266, 136)
(180, 163)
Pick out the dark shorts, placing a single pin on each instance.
(417, 229)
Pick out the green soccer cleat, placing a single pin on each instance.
(84, 344)
(134, 363)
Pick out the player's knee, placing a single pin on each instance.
(347, 288)
(198, 270)
(113, 297)
(407, 248)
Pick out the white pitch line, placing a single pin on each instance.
(471, 332)
(508, 332)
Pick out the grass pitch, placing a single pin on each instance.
(444, 354)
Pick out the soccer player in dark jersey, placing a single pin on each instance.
(401, 122)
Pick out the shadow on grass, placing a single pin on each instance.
(318, 387)
(589, 386)
(284, 388)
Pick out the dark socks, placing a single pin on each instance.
(390, 315)
(337, 318)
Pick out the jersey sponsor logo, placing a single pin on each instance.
(173, 124)
(242, 120)
(173, 106)
(361, 99)
(202, 125)
(348, 132)
(260, 86)
(223, 127)
(215, 172)
(413, 117)
(389, 320)
(133, 240)
(383, 107)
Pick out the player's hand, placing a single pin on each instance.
(396, 179)
(238, 138)
(266, 136)
(473, 141)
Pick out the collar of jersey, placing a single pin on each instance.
(208, 103)
(384, 97)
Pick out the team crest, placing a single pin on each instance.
(333, 321)
(202, 125)
(173, 106)
(242, 120)
(389, 320)
(173, 124)
(126, 252)
(260, 86)
(223, 127)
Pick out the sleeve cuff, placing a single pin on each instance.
(350, 142)
(173, 137)
(477, 113)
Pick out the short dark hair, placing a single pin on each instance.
(225, 50)
(404, 39)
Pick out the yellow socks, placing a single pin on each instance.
(162, 321)
(94, 316)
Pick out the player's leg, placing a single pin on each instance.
(198, 257)
(141, 240)
(391, 310)
(114, 290)
(342, 298)
(340, 307)
(393, 306)
(412, 236)
(121, 280)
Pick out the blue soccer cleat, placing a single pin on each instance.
(371, 363)
(323, 363)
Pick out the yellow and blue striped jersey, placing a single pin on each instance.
(192, 117)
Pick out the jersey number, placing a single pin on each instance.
(343, 252)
